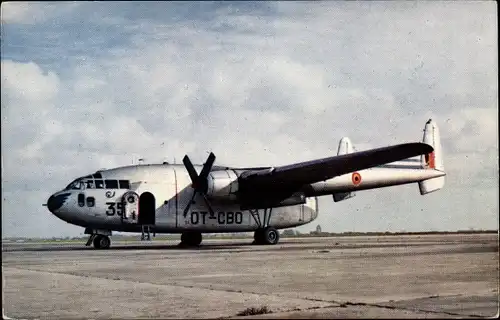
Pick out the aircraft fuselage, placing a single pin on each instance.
(97, 206)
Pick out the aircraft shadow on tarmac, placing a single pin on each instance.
(248, 246)
(132, 247)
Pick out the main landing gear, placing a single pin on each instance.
(268, 235)
(191, 239)
(265, 234)
(100, 238)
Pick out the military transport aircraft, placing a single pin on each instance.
(195, 199)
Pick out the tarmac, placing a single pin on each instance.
(433, 276)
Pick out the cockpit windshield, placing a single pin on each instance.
(75, 185)
(89, 182)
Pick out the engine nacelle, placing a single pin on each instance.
(222, 184)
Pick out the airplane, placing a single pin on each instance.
(195, 199)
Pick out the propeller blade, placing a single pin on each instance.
(190, 169)
(208, 166)
(208, 204)
(189, 204)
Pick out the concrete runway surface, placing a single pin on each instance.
(436, 276)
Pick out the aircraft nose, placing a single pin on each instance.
(56, 201)
(51, 204)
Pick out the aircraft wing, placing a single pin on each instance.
(292, 177)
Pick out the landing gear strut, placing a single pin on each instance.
(191, 238)
(265, 234)
(100, 238)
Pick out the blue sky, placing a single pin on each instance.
(90, 85)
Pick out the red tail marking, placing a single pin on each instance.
(430, 160)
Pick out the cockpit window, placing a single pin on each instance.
(124, 184)
(97, 175)
(111, 184)
(75, 185)
(99, 184)
(81, 199)
(90, 201)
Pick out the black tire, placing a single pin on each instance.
(258, 236)
(271, 236)
(102, 242)
(184, 238)
(196, 238)
(191, 238)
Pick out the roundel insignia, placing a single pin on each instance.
(110, 194)
(356, 178)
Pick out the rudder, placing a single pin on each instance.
(345, 147)
(433, 160)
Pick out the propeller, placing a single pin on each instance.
(199, 182)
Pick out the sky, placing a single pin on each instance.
(91, 85)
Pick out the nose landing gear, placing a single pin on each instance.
(99, 238)
(102, 242)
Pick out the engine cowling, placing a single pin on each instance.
(222, 184)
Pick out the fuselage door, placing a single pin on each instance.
(130, 202)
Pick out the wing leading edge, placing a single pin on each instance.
(294, 176)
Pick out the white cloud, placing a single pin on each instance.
(26, 81)
(473, 129)
(25, 12)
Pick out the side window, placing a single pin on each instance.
(89, 184)
(90, 201)
(111, 184)
(99, 184)
(81, 199)
(124, 184)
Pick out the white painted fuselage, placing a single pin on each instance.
(170, 185)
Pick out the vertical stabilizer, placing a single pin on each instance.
(433, 160)
(345, 147)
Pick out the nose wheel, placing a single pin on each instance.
(101, 242)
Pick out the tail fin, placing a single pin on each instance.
(433, 160)
(345, 147)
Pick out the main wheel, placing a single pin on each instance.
(191, 238)
(270, 235)
(195, 238)
(258, 236)
(102, 242)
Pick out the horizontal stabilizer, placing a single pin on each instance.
(343, 196)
